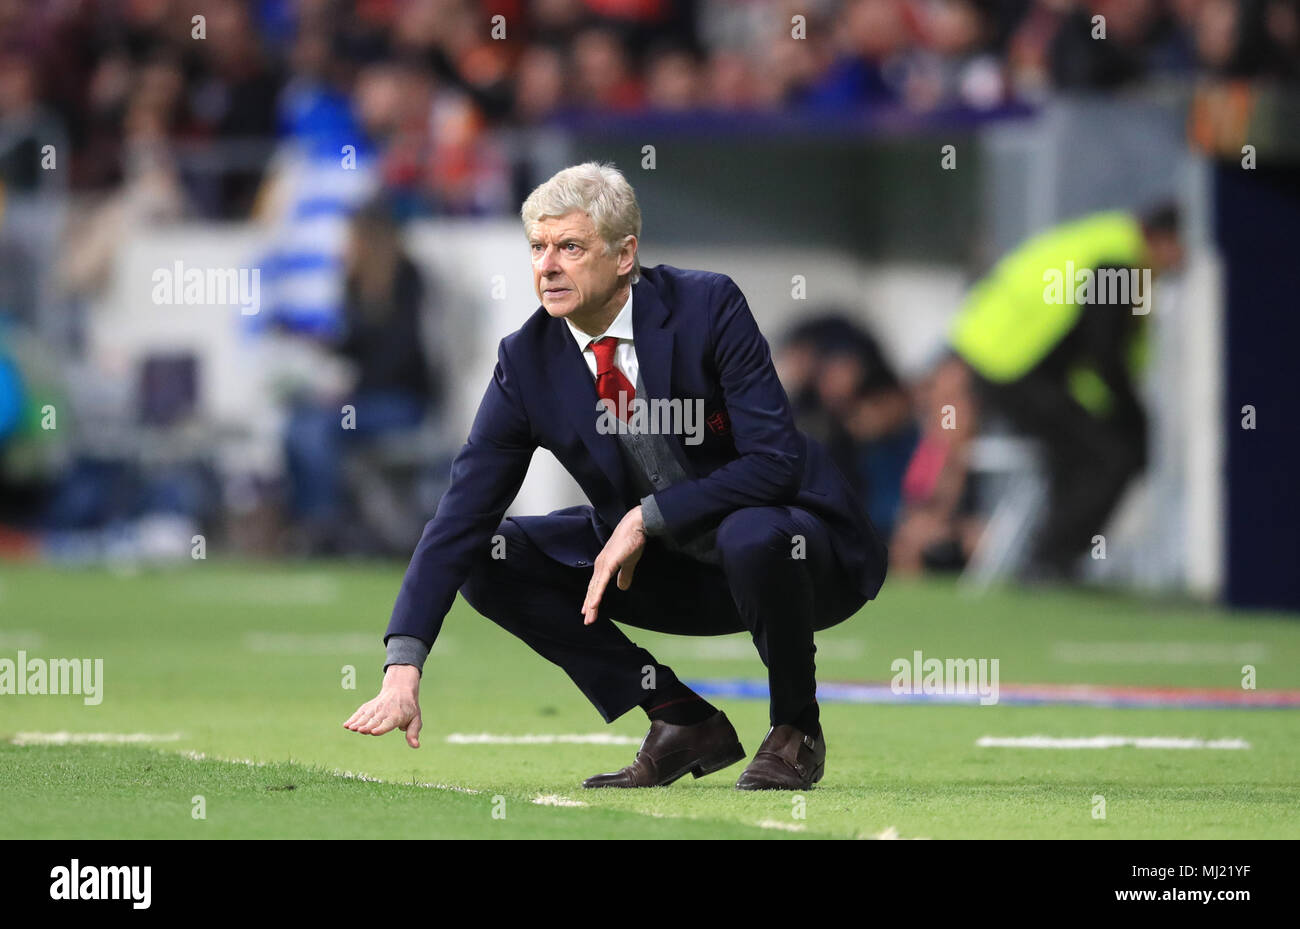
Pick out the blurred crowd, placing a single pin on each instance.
(425, 83)
(154, 112)
(1052, 390)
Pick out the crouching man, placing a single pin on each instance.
(743, 525)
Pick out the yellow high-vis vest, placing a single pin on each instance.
(1014, 316)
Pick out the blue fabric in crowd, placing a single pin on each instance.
(11, 398)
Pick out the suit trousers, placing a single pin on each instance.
(779, 580)
(1090, 460)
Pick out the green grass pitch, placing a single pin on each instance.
(241, 668)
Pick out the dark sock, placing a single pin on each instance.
(677, 705)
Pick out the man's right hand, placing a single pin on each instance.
(396, 707)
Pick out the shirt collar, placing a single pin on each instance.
(620, 328)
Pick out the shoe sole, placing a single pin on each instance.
(817, 776)
(704, 767)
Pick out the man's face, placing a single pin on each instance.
(1165, 251)
(572, 273)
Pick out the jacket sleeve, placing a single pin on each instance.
(770, 465)
(485, 477)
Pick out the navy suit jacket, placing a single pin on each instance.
(696, 339)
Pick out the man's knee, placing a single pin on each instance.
(759, 538)
(1121, 454)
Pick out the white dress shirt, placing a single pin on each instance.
(621, 329)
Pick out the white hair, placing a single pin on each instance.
(599, 190)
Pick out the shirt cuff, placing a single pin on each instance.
(406, 649)
(652, 521)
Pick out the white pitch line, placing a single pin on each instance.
(488, 738)
(890, 834)
(778, 824)
(361, 776)
(92, 738)
(203, 756)
(21, 638)
(1159, 652)
(556, 800)
(1108, 741)
(348, 775)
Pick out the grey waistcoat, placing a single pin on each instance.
(652, 466)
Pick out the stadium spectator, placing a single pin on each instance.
(938, 527)
(673, 80)
(151, 190)
(959, 62)
(539, 84)
(1080, 60)
(870, 66)
(554, 23)
(322, 171)
(845, 394)
(393, 389)
(1249, 39)
(729, 83)
(233, 103)
(28, 189)
(603, 76)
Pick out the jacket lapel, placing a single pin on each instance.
(654, 342)
(654, 354)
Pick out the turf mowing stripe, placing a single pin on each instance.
(24, 739)
(1109, 741)
(271, 589)
(1159, 652)
(92, 738)
(488, 738)
(1120, 697)
(292, 643)
(732, 648)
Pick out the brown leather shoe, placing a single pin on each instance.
(787, 760)
(667, 752)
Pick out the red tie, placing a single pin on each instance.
(610, 381)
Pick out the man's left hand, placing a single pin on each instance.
(620, 554)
